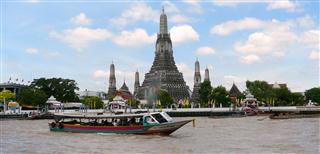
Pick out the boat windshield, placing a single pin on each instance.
(166, 116)
(159, 118)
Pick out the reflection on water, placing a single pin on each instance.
(230, 135)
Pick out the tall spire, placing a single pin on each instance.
(195, 97)
(163, 22)
(197, 76)
(112, 81)
(206, 75)
(136, 83)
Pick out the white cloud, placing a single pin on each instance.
(179, 19)
(314, 55)
(137, 37)
(32, 50)
(80, 37)
(306, 21)
(236, 25)
(271, 4)
(137, 12)
(100, 74)
(195, 5)
(81, 19)
(311, 38)
(282, 4)
(249, 59)
(203, 51)
(226, 3)
(170, 7)
(273, 38)
(183, 33)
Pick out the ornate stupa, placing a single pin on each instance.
(164, 74)
(112, 82)
(195, 97)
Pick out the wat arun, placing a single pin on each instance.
(164, 74)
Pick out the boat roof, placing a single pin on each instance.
(103, 116)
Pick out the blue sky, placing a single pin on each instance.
(275, 41)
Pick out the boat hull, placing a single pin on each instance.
(99, 129)
(162, 129)
(166, 128)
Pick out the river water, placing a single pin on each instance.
(256, 134)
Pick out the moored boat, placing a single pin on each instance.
(147, 123)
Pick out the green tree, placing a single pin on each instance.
(133, 103)
(220, 95)
(297, 99)
(6, 95)
(313, 94)
(204, 92)
(165, 98)
(93, 102)
(261, 90)
(62, 89)
(32, 96)
(282, 96)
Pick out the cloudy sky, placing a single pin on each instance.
(275, 41)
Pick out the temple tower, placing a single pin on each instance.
(195, 97)
(206, 75)
(112, 82)
(136, 84)
(164, 74)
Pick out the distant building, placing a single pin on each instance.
(124, 92)
(234, 94)
(13, 87)
(85, 93)
(278, 85)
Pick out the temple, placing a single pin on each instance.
(195, 97)
(112, 82)
(164, 74)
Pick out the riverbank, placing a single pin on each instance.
(179, 112)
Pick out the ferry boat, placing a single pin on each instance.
(147, 123)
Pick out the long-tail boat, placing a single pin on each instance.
(148, 123)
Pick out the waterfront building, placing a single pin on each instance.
(124, 92)
(234, 94)
(13, 87)
(86, 92)
(164, 73)
(195, 97)
(112, 82)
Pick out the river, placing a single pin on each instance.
(256, 134)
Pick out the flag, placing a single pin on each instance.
(10, 79)
(17, 79)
